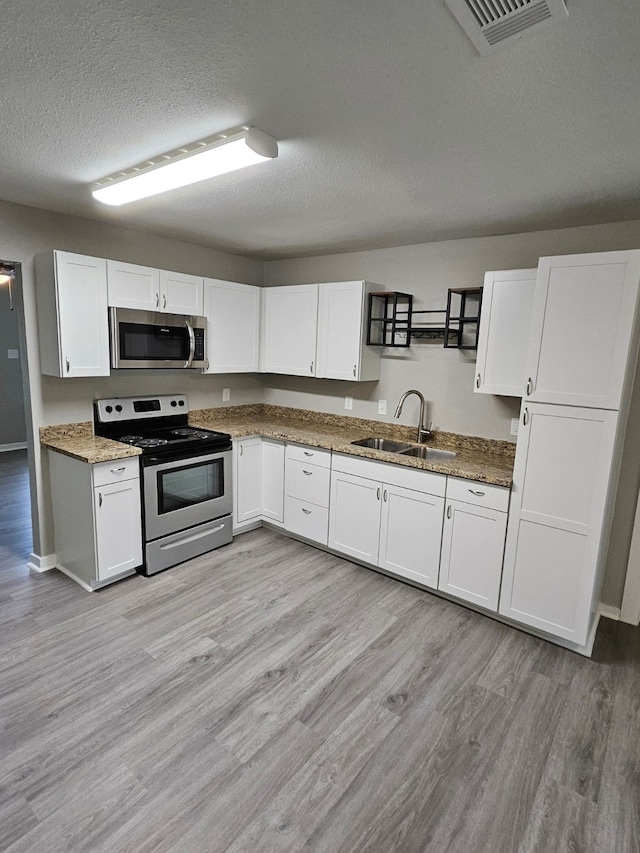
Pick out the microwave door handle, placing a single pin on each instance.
(192, 344)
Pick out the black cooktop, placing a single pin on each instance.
(151, 437)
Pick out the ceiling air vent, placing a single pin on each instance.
(493, 23)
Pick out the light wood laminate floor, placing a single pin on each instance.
(271, 697)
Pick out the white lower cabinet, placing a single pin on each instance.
(472, 549)
(306, 507)
(258, 481)
(97, 518)
(390, 517)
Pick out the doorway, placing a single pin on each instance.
(15, 495)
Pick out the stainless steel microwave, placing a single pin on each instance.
(153, 340)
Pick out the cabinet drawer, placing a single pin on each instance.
(306, 519)
(115, 471)
(307, 482)
(479, 494)
(312, 455)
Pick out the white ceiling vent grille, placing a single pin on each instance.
(493, 23)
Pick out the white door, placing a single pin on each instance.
(410, 534)
(507, 304)
(354, 516)
(557, 518)
(340, 310)
(583, 314)
(181, 293)
(233, 326)
(472, 551)
(118, 528)
(133, 286)
(272, 480)
(247, 485)
(83, 321)
(289, 330)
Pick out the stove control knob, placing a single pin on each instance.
(118, 408)
(108, 409)
(173, 403)
(181, 402)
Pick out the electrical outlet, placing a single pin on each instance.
(348, 403)
(382, 407)
(514, 425)
(226, 395)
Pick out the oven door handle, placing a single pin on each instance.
(192, 344)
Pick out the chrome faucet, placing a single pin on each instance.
(424, 432)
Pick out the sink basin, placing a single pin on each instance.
(429, 453)
(432, 453)
(383, 444)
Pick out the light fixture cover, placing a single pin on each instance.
(197, 162)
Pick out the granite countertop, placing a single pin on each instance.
(481, 459)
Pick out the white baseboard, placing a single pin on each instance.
(19, 445)
(42, 564)
(609, 612)
(75, 578)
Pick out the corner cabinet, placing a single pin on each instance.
(150, 289)
(233, 326)
(72, 314)
(342, 350)
(97, 518)
(507, 304)
(258, 482)
(289, 329)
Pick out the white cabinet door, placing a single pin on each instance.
(354, 516)
(557, 518)
(289, 330)
(248, 479)
(181, 293)
(272, 480)
(583, 315)
(472, 551)
(342, 353)
(118, 528)
(133, 286)
(507, 304)
(410, 534)
(83, 323)
(233, 326)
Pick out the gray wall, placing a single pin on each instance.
(12, 421)
(25, 231)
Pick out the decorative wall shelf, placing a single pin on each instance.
(392, 319)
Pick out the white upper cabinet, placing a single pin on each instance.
(583, 318)
(181, 293)
(149, 289)
(507, 303)
(290, 316)
(558, 518)
(133, 286)
(233, 326)
(342, 352)
(72, 314)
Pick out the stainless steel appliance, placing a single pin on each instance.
(151, 339)
(185, 476)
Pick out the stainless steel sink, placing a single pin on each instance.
(432, 453)
(383, 444)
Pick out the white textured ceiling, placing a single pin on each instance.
(392, 129)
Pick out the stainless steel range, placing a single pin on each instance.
(185, 476)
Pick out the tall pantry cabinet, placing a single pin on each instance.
(581, 360)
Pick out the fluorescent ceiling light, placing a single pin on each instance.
(197, 162)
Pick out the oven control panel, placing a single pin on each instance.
(130, 408)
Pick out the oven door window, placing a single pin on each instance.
(190, 485)
(145, 342)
